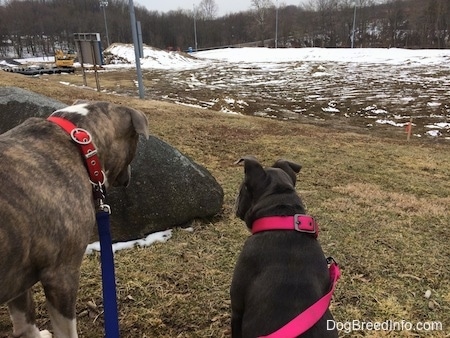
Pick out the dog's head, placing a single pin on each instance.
(115, 132)
(267, 191)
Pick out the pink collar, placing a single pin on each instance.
(298, 222)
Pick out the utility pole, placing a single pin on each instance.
(354, 20)
(103, 5)
(136, 48)
(195, 29)
(276, 26)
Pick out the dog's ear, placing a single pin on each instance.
(254, 172)
(290, 168)
(140, 122)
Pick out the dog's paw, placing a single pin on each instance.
(45, 334)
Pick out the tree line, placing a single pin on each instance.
(38, 27)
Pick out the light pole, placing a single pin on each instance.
(136, 51)
(276, 26)
(354, 20)
(195, 29)
(103, 5)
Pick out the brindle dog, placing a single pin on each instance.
(47, 207)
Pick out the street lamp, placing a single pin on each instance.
(103, 5)
(276, 26)
(354, 20)
(195, 29)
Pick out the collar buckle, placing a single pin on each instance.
(81, 136)
(305, 223)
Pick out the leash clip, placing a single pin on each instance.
(104, 207)
(99, 195)
(331, 260)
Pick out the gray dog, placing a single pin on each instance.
(280, 272)
(47, 206)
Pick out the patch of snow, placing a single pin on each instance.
(330, 110)
(161, 237)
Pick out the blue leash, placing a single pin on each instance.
(97, 178)
(108, 277)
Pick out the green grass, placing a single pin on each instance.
(382, 204)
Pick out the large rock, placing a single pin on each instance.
(167, 188)
(17, 104)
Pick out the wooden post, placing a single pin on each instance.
(84, 73)
(409, 129)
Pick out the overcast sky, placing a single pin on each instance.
(224, 6)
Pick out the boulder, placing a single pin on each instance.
(167, 188)
(17, 104)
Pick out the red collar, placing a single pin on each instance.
(298, 222)
(88, 151)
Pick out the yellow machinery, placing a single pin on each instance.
(63, 59)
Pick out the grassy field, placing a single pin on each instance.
(382, 204)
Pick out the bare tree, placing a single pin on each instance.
(438, 10)
(395, 19)
(327, 17)
(40, 26)
(261, 8)
(208, 9)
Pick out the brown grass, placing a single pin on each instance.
(382, 204)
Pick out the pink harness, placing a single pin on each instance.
(305, 320)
